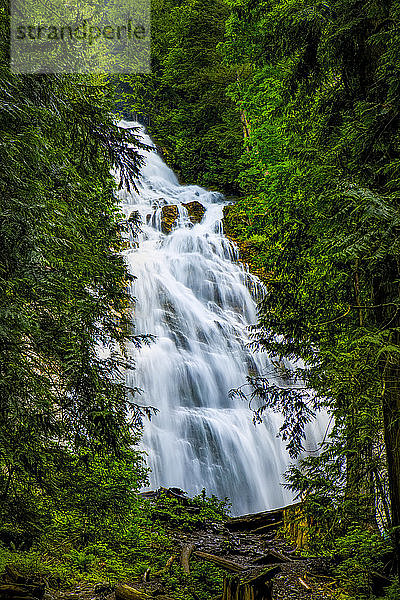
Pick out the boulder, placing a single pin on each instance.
(169, 215)
(195, 211)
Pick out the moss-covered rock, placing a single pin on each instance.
(169, 215)
(195, 211)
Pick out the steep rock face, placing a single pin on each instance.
(169, 215)
(195, 211)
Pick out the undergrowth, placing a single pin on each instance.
(74, 549)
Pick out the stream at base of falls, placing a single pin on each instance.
(198, 301)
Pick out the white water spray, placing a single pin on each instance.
(194, 297)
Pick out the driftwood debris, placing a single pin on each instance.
(253, 586)
(224, 563)
(267, 528)
(185, 557)
(268, 519)
(292, 519)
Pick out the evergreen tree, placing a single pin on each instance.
(64, 304)
(319, 89)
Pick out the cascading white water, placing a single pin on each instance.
(194, 297)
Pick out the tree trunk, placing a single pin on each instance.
(391, 419)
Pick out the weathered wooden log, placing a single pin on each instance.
(257, 520)
(126, 592)
(254, 521)
(253, 586)
(185, 557)
(224, 563)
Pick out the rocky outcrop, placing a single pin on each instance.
(169, 215)
(195, 211)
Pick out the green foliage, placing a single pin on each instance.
(204, 582)
(359, 553)
(318, 90)
(67, 422)
(188, 516)
(392, 592)
(184, 99)
(80, 546)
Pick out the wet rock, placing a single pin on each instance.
(195, 211)
(169, 215)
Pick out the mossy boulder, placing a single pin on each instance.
(169, 215)
(195, 211)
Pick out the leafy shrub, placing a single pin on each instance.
(359, 553)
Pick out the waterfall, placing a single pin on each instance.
(196, 299)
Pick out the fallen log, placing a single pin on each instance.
(254, 521)
(253, 586)
(224, 563)
(257, 520)
(185, 557)
(126, 592)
